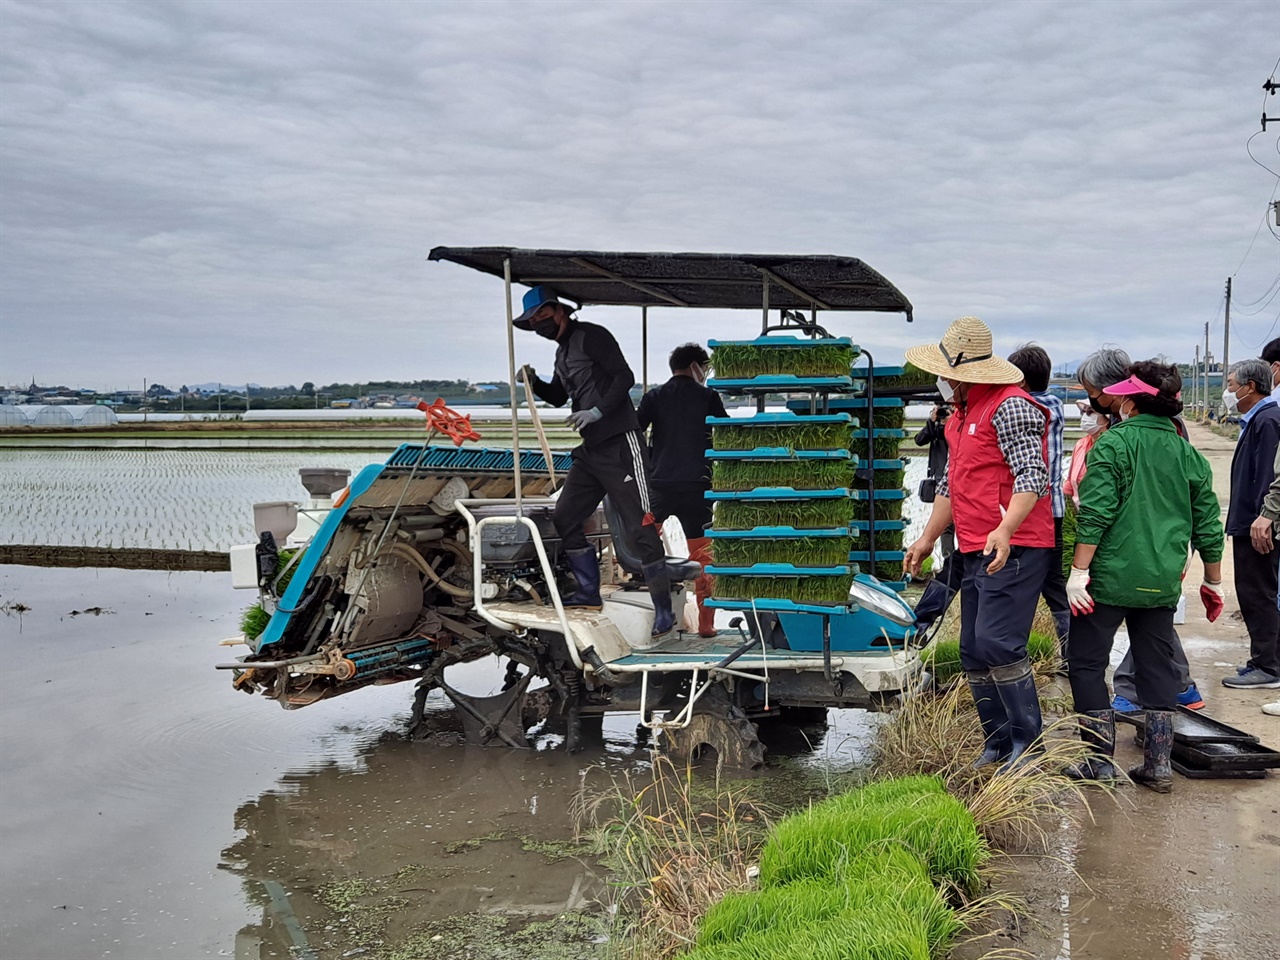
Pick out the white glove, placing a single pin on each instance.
(584, 418)
(1077, 592)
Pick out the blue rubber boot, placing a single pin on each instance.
(1017, 687)
(586, 571)
(995, 724)
(659, 583)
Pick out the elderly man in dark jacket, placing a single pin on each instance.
(1248, 393)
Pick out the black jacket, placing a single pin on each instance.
(678, 412)
(934, 434)
(591, 369)
(1253, 469)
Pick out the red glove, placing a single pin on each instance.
(1214, 600)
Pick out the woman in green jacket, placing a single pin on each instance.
(1147, 495)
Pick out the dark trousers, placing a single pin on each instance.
(686, 502)
(616, 467)
(996, 610)
(1054, 590)
(1255, 575)
(1150, 639)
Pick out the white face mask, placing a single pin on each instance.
(944, 388)
(699, 373)
(1089, 422)
(1231, 401)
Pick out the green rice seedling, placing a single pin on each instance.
(889, 934)
(834, 589)
(889, 571)
(735, 475)
(943, 655)
(797, 436)
(887, 539)
(797, 905)
(1069, 522)
(885, 480)
(802, 514)
(912, 376)
(885, 509)
(801, 551)
(884, 448)
(254, 621)
(889, 417)
(744, 361)
(815, 843)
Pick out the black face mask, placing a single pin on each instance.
(1098, 407)
(549, 329)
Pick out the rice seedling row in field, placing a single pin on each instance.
(803, 436)
(738, 475)
(801, 551)
(833, 589)
(746, 360)
(801, 514)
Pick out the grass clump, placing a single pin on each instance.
(798, 436)
(802, 551)
(943, 655)
(833, 589)
(736, 475)
(802, 514)
(742, 361)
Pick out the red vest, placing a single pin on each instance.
(980, 481)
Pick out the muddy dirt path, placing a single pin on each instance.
(1194, 875)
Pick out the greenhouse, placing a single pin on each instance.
(11, 416)
(51, 415)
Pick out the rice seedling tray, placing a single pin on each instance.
(862, 526)
(886, 441)
(1190, 726)
(779, 453)
(774, 605)
(779, 384)
(815, 548)
(802, 515)
(780, 570)
(1215, 761)
(780, 493)
(830, 587)
(756, 472)
(783, 356)
(898, 464)
(787, 429)
(886, 412)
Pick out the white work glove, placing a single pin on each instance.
(584, 418)
(528, 371)
(1077, 592)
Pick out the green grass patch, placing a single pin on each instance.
(833, 589)
(743, 361)
(801, 514)
(943, 656)
(916, 815)
(733, 475)
(802, 551)
(798, 436)
(885, 509)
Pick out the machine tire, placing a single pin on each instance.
(728, 733)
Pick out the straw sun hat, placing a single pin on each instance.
(965, 354)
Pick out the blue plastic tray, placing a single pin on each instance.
(786, 417)
(882, 433)
(779, 453)
(896, 493)
(776, 533)
(863, 556)
(780, 606)
(780, 570)
(863, 526)
(784, 341)
(887, 465)
(846, 403)
(782, 382)
(783, 493)
(880, 371)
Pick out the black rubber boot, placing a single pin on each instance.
(1098, 729)
(1156, 773)
(1017, 687)
(586, 570)
(995, 724)
(659, 584)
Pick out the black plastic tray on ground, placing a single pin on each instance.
(1219, 761)
(1190, 726)
(1201, 773)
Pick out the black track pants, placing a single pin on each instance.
(616, 467)
(1150, 639)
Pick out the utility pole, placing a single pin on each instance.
(1226, 336)
(1205, 412)
(1195, 381)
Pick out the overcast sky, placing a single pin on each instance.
(193, 192)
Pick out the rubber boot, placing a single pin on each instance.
(586, 570)
(1017, 687)
(700, 552)
(659, 583)
(995, 724)
(1098, 729)
(1157, 747)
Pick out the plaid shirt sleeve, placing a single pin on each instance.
(1057, 424)
(1020, 429)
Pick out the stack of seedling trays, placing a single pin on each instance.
(1208, 749)
(783, 482)
(878, 484)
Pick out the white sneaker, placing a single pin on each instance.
(1271, 709)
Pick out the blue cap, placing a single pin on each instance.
(534, 299)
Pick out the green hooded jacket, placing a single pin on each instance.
(1146, 495)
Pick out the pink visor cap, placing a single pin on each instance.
(1127, 388)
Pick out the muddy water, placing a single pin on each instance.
(148, 810)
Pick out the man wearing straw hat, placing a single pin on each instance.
(994, 492)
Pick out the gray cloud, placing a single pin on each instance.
(203, 191)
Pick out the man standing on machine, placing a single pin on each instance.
(676, 416)
(591, 371)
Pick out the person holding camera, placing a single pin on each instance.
(934, 436)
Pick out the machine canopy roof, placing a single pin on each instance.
(702, 280)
